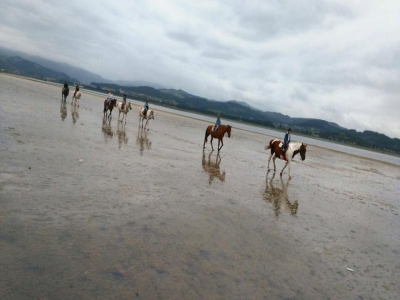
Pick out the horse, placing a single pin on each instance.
(76, 98)
(219, 134)
(64, 93)
(124, 111)
(109, 106)
(279, 197)
(149, 115)
(213, 168)
(292, 149)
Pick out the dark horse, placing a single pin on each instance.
(219, 134)
(109, 106)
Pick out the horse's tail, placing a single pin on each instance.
(269, 146)
(206, 136)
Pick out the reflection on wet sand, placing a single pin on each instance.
(121, 135)
(75, 113)
(106, 129)
(279, 196)
(142, 141)
(63, 110)
(213, 168)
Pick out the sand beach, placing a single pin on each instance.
(90, 209)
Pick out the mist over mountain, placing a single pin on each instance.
(20, 66)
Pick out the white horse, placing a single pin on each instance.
(124, 111)
(292, 149)
(149, 115)
(76, 98)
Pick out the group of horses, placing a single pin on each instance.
(124, 109)
(275, 146)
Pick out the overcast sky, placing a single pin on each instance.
(332, 60)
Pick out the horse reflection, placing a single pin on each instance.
(63, 110)
(213, 168)
(106, 129)
(75, 113)
(279, 196)
(142, 141)
(122, 139)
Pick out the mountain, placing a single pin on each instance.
(81, 75)
(20, 66)
(244, 104)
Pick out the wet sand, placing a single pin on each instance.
(91, 210)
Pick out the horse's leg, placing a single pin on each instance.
(287, 163)
(205, 139)
(222, 144)
(269, 160)
(273, 160)
(212, 148)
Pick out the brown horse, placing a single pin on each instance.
(219, 134)
(109, 106)
(292, 149)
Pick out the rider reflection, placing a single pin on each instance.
(213, 168)
(106, 129)
(75, 113)
(279, 196)
(63, 110)
(142, 141)
(121, 135)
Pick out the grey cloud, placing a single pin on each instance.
(183, 37)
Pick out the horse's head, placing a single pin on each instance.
(228, 130)
(129, 106)
(152, 114)
(303, 149)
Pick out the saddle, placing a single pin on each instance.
(144, 112)
(123, 106)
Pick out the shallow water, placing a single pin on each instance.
(90, 209)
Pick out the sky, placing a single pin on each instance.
(336, 60)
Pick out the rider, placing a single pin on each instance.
(123, 102)
(110, 96)
(146, 107)
(76, 90)
(217, 123)
(286, 141)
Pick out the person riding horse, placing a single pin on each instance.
(217, 123)
(110, 96)
(146, 107)
(65, 91)
(123, 102)
(76, 90)
(286, 141)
